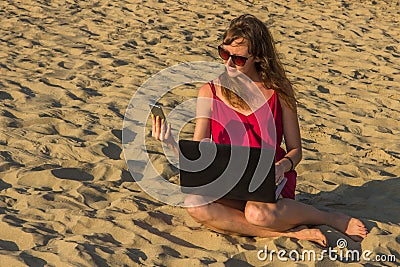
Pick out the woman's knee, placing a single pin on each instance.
(261, 214)
(196, 208)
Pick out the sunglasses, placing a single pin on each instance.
(225, 55)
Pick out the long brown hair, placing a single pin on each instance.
(261, 46)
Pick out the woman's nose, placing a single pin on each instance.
(230, 63)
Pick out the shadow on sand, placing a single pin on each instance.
(378, 197)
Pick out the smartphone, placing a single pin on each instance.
(280, 187)
(157, 111)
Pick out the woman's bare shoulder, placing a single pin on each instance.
(205, 91)
(285, 106)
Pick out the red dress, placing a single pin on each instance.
(231, 127)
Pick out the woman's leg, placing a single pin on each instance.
(288, 213)
(273, 219)
(228, 217)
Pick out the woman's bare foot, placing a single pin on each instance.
(353, 227)
(302, 232)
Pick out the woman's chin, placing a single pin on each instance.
(232, 72)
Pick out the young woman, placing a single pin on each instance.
(248, 48)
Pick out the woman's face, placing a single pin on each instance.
(239, 47)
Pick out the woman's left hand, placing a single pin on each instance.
(279, 173)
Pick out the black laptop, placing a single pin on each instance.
(234, 172)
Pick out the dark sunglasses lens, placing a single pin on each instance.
(239, 61)
(223, 53)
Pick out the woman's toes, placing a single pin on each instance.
(353, 227)
(313, 235)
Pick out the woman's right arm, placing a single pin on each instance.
(203, 113)
(161, 130)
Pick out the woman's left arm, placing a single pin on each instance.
(291, 133)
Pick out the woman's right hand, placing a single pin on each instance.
(161, 130)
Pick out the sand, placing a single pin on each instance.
(68, 70)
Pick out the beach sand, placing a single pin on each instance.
(68, 70)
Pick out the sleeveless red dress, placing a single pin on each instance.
(231, 127)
